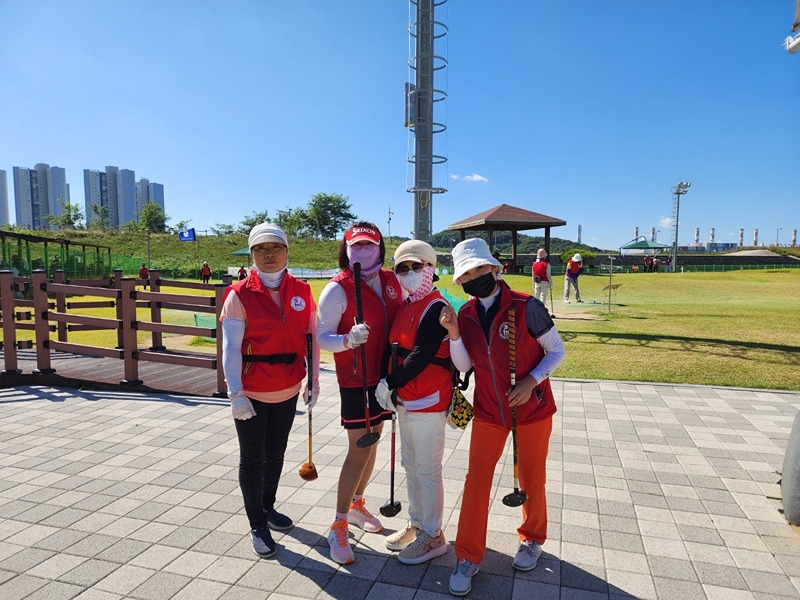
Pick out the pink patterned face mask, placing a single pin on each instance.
(369, 255)
(417, 284)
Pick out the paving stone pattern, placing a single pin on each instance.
(654, 491)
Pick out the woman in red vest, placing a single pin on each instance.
(542, 279)
(265, 321)
(338, 333)
(424, 385)
(479, 339)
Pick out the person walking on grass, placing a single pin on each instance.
(265, 322)
(205, 273)
(542, 279)
(339, 332)
(144, 274)
(574, 270)
(424, 385)
(479, 338)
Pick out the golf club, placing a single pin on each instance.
(369, 438)
(552, 310)
(517, 497)
(392, 507)
(308, 471)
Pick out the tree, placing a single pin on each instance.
(71, 217)
(252, 220)
(328, 214)
(180, 225)
(294, 221)
(99, 218)
(153, 218)
(223, 229)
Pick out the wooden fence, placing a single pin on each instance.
(52, 299)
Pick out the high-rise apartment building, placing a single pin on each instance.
(38, 192)
(112, 191)
(148, 192)
(3, 199)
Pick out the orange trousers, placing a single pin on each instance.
(485, 448)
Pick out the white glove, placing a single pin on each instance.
(384, 396)
(311, 401)
(357, 335)
(241, 407)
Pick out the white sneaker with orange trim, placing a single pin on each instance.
(341, 552)
(362, 518)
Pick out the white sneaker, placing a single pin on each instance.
(566, 300)
(527, 556)
(341, 552)
(423, 548)
(400, 539)
(362, 518)
(461, 579)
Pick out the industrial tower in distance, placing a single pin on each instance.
(421, 99)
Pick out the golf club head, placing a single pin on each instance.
(390, 509)
(515, 498)
(308, 472)
(368, 439)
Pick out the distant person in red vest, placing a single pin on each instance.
(242, 272)
(265, 321)
(144, 274)
(542, 279)
(205, 273)
(574, 270)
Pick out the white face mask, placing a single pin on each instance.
(271, 280)
(411, 280)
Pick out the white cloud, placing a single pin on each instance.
(665, 222)
(473, 177)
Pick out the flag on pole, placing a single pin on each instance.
(186, 235)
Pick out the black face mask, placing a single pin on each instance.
(481, 287)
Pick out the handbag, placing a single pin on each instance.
(460, 412)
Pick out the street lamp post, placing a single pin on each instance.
(678, 191)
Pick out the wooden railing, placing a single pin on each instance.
(53, 298)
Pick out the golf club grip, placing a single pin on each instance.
(512, 343)
(357, 282)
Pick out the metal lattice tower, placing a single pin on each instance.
(678, 191)
(421, 98)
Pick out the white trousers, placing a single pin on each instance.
(540, 291)
(421, 452)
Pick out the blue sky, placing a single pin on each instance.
(586, 111)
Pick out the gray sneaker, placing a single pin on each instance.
(527, 556)
(461, 579)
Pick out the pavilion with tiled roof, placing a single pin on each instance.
(507, 218)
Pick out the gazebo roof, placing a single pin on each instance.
(506, 217)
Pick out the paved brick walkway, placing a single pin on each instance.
(655, 491)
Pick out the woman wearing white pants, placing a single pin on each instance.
(423, 382)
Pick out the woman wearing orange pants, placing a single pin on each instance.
(479, 338)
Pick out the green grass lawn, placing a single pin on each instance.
(738, 328)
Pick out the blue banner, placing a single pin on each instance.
(186, 235)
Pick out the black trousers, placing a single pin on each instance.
(262, 445)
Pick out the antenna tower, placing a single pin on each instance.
(421, 98)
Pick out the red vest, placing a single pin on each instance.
(431, 390)
(540, 269)
(492, 371)
(272, 331)
(378, 314)
(573, 268)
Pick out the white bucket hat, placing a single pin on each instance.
(470, 254)
(542, 253)
(577, 258)
(267, 232)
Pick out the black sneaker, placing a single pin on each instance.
(278, 522)
(262, 542)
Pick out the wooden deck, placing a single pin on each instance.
(89, 372)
